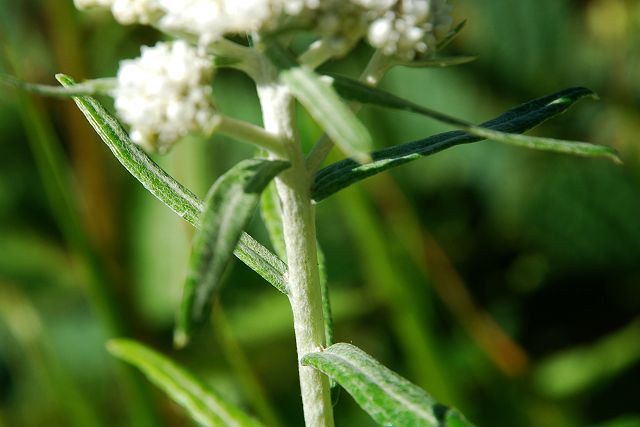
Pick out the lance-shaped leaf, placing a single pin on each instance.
(167, 189)
(272, 218)
(439, 62)
(387, 397)
(357, 91)
(203, 404)
(519, 119)
(330, 111)
(324, 105)
(229, 206)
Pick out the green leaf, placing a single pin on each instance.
(229, 206)
(332, 114)
(272, 218)
(89, 87)
(359, 92)
(519, 119)
(440, 62)
(204, 405)
(451, 35)
(387, 397)
(167, 189)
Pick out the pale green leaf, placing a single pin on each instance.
(86, 88)
(331, 112)
(440, 62)
(167, 189)
(272, 217)
(519, 119)
(203, 404)
(387, 397)
(229, 206)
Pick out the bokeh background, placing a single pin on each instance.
(504, 281)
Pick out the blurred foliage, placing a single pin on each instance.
(505, 281)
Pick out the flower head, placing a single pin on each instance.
(410, 28)
(165, 94)
(402, 28)
(126, 11)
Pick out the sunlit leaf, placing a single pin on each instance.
(167, 189)
(332, 113)
(229, 206)
(203, 404)
(440, 62)
(272, 218)
(387, 397)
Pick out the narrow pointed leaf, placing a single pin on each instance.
(387, 397)
(203, 404)
(440, 62)
(356, 91)
(272, 218)
(169, 191)
(451, 36)
(330, 111)
(88, 88)
(519, 119)
(229, 206)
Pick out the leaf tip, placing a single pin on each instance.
(616, 159)
(64, 79)
(180, 338)
(114, 346)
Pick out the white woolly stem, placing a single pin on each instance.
(300, 240)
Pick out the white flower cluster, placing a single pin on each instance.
(410, 27)
(402, 28)
(165, 94)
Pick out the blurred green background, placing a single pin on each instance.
(504, 281)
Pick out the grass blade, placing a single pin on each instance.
(387, 397)
(203, 404)
(229, 206)
(519, 119)
(357, 91)
(329, 111)
(168, 190)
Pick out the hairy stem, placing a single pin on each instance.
(298, 220)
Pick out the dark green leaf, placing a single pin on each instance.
(203, 404)
(357, 91)
(519, 119)
(229, 206)
(167, 189)
(387, 397)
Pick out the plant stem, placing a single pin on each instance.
(298, 219)
(250, 133)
